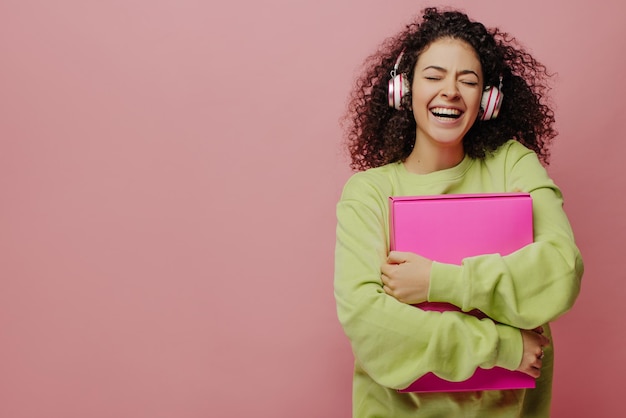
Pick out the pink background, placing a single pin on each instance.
(168, 178)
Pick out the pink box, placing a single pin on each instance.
(449, 228)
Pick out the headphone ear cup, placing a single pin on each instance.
(398, 88)
(491, 102)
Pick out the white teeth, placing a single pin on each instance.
(445, 111)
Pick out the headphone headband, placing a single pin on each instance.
(398, 85)
(397, 64)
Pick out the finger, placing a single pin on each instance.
(533, 371)
(539, 330)
(397, 257)
(388, 290)
(385, 268)
(540, 353)
(389, 269)
(384, 279)
(536, 372)
(387, 284)
(543, 341)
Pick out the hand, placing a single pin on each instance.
(534, 341)
(406, 276)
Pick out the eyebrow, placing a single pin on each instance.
(462, 72)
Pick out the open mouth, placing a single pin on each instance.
(446, 113)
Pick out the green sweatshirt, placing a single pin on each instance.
(394, 343)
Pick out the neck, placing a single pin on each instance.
(425, 159)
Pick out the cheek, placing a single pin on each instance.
(420, 101)
(473, 102)
(419, 110)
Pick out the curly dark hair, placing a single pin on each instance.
(376, 134)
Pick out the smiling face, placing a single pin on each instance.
(446, 91)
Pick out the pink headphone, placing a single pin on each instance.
(490, 102)
(398, 85)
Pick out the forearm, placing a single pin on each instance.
(503, 294)
(525, 289)
(397, 343)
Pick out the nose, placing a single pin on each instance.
(450, 89)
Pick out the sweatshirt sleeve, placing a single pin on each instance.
(535, 284)
(393, 342)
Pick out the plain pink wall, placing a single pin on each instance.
(168, 178)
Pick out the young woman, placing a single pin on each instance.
(420, 122)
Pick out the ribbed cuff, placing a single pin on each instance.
(446, 285)
(511, 347)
